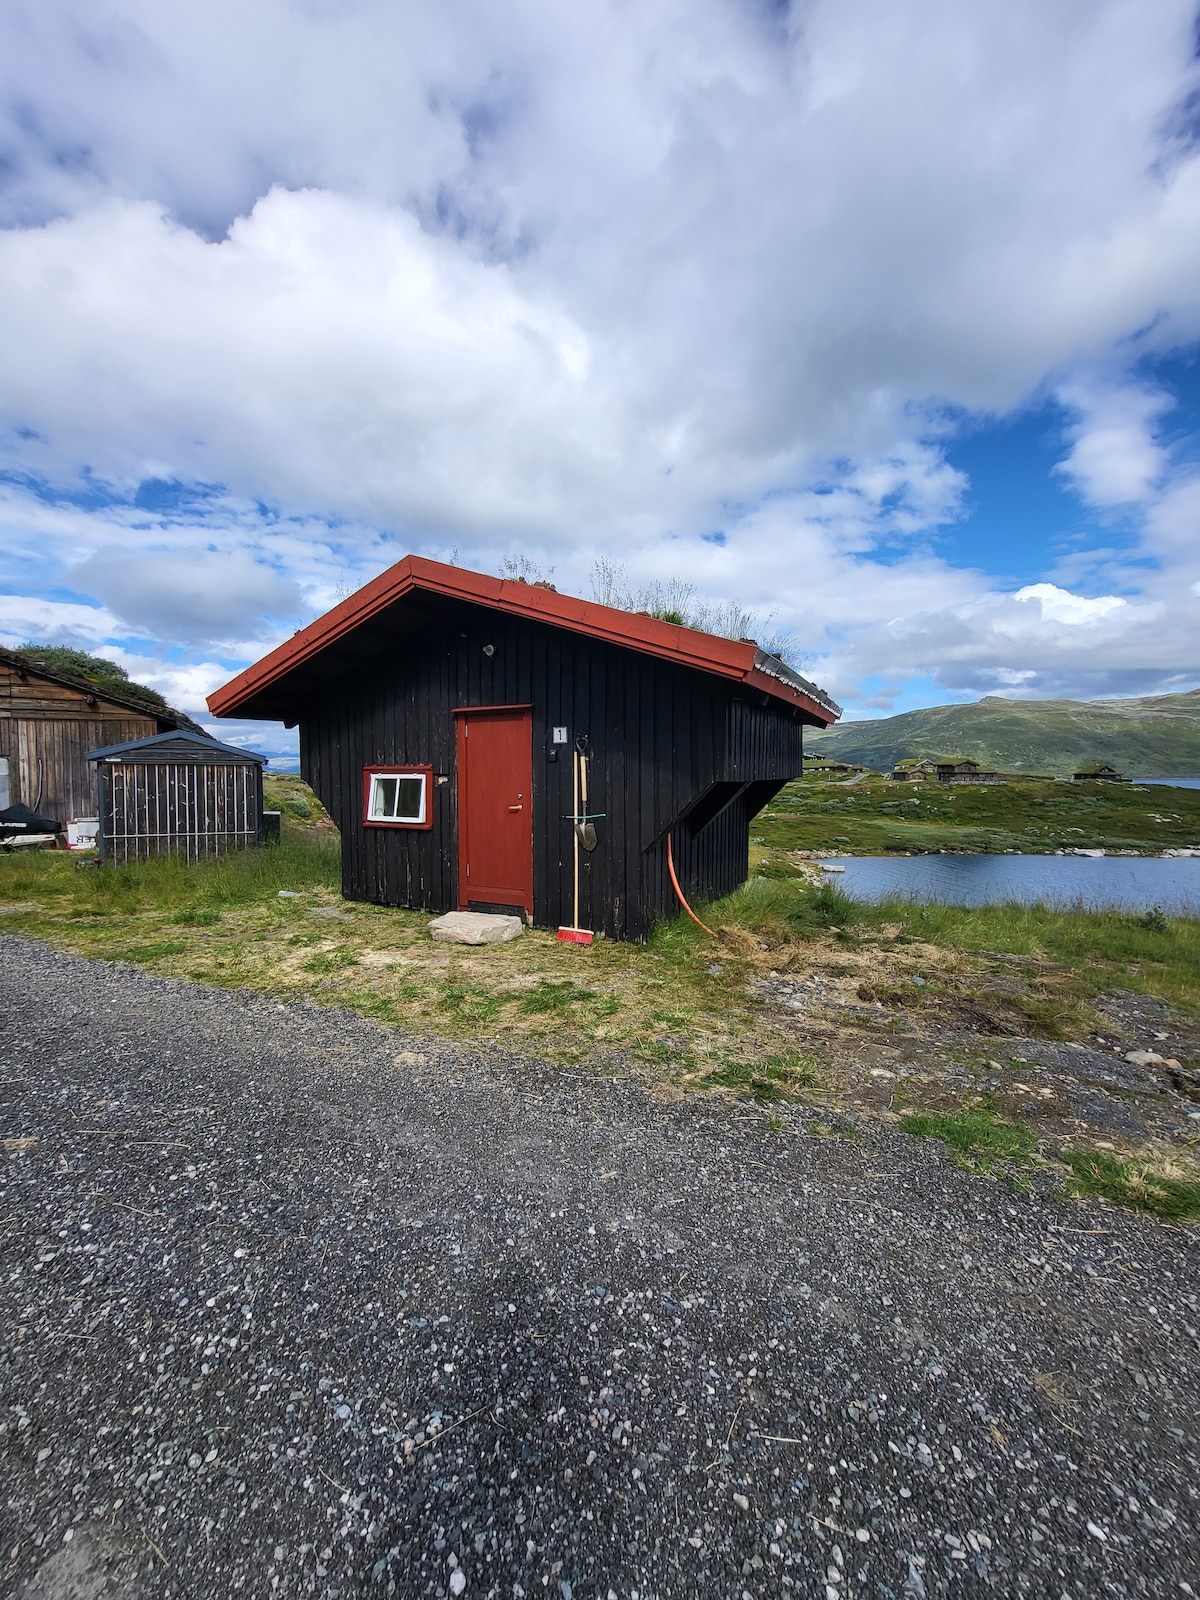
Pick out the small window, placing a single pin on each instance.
(397, 797)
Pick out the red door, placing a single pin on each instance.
(495, 809)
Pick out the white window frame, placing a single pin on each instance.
(372, 813)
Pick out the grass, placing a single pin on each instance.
(877, 816)
(1102, 949)
(1173, 1195)
(979, 1136)
(773, 1078)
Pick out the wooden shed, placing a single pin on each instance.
(446, 719)
(48, 722)
(177, 794)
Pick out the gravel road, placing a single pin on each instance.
(295, 1305)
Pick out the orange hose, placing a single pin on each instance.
(679, 892)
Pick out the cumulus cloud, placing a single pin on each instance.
(190, 595)
(1059, 605)
(1115, 459)
(594, 278)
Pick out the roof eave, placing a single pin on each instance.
(736, 660)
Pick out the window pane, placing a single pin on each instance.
(384, 797)
(397, 797)
(411, 792)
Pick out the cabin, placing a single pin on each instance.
(822, 766)
(914, 771)
(494, 746)
(49, 720)
(177, 793)
(1101, 775)
(964, 772)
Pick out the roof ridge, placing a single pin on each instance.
(740, 660)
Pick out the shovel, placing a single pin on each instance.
(585, 830)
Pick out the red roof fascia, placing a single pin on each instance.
(728, 658)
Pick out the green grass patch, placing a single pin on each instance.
(468, 1003)
(169, 885)
(979, 1136)
(1134, 1184)
(1103, 949)
(327, 961)
(775, 1077)
(147, 954)
(548, 997)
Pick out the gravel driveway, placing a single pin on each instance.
(294, 1305)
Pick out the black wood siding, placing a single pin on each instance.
(660, 737)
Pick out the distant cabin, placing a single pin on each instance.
(1101, 775)
(964, 772)
(914, 771)
(49, 720)
(449, 722)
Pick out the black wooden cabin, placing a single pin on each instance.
(439, 713)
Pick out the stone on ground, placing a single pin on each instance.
(475, 927)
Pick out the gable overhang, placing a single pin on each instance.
(262, 690)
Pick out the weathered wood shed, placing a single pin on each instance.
(177, 793)
(440, 712)
(48, 722)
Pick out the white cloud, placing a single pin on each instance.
(190, 595)
(28, 619)
(1059, 605)
(593, 278)
(1114, 458)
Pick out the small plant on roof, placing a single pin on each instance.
(676, 600)
(93, 669)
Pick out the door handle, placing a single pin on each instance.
(516, 808)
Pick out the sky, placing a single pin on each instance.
(881, 320)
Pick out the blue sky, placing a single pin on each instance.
(884, 322)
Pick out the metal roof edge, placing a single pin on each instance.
(102, 752)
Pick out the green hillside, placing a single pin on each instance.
(1155, 737)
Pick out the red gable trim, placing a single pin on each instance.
(727, 658)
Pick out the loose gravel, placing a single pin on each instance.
(293, 1305)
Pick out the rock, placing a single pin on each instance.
(475, 927)
(458, 1581)
(1146, 1058)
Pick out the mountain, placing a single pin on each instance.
(1150, 738)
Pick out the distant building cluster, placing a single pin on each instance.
(946, 771)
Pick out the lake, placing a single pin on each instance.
(1127, 883)
(1173, 783)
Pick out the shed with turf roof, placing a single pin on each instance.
(450, 723)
